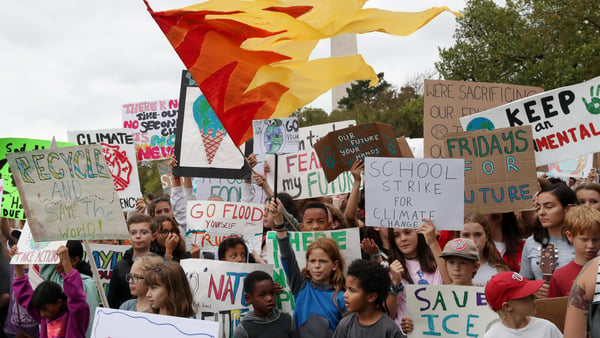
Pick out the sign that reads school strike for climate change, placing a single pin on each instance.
(68, 193)
(400, 192)
(210, 222)
(218, 289)
(500, 173)
(564, 121)
(153, 124)
(119, 151)
(448, 310)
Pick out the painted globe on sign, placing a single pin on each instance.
(480, 123)
(273, 139)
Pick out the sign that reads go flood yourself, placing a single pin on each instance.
(68, 193)
(500, 172)
(448, 310)
(447, 101)
(400, 192)
(119, 151)
(340, 149)
(153, 124)
(276, 136)
(564, 121)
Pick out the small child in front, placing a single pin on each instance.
(266, 320)
(367, 287)
(512, 297)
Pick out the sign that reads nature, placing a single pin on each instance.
(500, 170)
(210, 222)
(276, 136)
(400, 192)
(68, 193)
(153, 124)
(564, 121)
(447, 101)
(448, 311)
(32, 252)
(119, 151)
(340, 149)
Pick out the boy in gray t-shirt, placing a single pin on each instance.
(367, 287)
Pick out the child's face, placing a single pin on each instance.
(549, 210)
(315, 219)
(585, 245)
(461, 270)
(166, 228)
(157, 296)
(52, 310)
(137, 286)
(263, 298)
(163, 208)
(236, 254)
(523, 307)
(320, 266)
(140, 235)
(406, 240)
(476, 233)
(355, 296)
(589, 197)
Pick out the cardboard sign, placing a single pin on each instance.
(120, 323)
(68, 193)
(404, 147)
(119, 151)
(32, 252)
(210, 222)
(447, 101)
(300, 174)
(218, 289)
(106, 257)
(348, 241)
(276, 136)
(448, 310)
(564, 121)
(340, 149)
(11, 201)
(153, 125)
(400, 192)
(500, 173)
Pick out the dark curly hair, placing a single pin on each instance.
(373, 278)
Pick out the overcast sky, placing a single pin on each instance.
(71, 65)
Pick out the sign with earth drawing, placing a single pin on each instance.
(276, 136)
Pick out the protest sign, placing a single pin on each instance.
(500, 173)
(574, 167)
(218, 289)
(229, 189)
(400, 192)
(68, 193)
(153, 125)
(166, 176)
(300, 174)
(11, 201)
(338, 150)
(32, 252)
(276, 136)
(119, 151)
(448, 310)
(564, 121)
(202, 145)
(1, 190)
(404, 148)
(106, 257)
(210, 222)
(120, 323)
(348, 240)
(447, 101)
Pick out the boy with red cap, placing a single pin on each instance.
(512, 297)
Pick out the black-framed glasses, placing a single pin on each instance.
(133, 278)
(166, 232)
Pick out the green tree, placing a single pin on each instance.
(308, 116)
(149, 178)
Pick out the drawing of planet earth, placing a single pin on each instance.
(273, 139)
(480, 123)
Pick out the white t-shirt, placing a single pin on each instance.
(484, 274)
(537, 327)
(501, 247)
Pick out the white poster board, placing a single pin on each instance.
(276, 136)
(32, 252)
(574, 167)
(564, 121)
(68, 193)
(106, 257)
(400, 192)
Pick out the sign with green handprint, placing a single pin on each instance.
(565, 121)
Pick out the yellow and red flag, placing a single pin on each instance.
(251, 58)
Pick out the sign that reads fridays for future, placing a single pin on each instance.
(564, 121)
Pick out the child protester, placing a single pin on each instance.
(582, 228)
(367, 286)
(137, 286)
(60, 313)
(265, 320)
(169, 291)
(512, 297)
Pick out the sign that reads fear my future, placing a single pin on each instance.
(68, 193)
(500, 172)
(400, 192)
(340, 149)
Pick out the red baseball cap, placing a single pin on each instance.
(509, 285)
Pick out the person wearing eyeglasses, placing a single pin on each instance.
(137, 286)
(168, 239)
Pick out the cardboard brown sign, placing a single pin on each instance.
(404, 147)
(339, 149)
(447, 101)
(500, 172)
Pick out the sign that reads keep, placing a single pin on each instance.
(500, 172)
(400, 192)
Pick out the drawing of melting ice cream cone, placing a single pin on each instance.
(211, 129)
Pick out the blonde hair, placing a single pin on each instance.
(582, 219)
(331, 249)
(148, 261)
